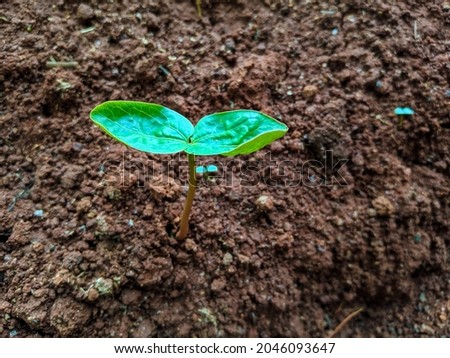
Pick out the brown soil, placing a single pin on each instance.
(102, 261)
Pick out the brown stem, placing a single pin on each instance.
(184, 224)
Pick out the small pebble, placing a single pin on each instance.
(218, 285)
(77, 146)
(230, 45)
(340, 222)
(422, 297)
(148, 211)
(190, 245)
(261, 47)
(85, 12)
(426, 330)
(320, 249)
(383, 206)
(103, 286)
(227, 259)
(264, 203)
(310, 91)
(277, 147)
(92, 294)
(335, 31)
(130, 223)
(243, 259)
(371, 212)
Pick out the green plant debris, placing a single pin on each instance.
(66, 64)
(422, 297)
(22, 194)
(63, 85)
(104, 286)
(208, 316)
(164, 70)
(87, 30)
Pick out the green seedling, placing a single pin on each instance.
(152, 128)
(402, 112)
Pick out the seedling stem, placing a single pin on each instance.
(184, 224)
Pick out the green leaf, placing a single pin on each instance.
(235, 132)
(144, 126)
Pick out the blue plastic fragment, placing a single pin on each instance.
(208, 169)
(404, 111)
(13, 333)
(211, 169)
(417, 238)
(335, 31)
(39, 213)
(200, 169)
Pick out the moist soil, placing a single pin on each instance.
(349, 210)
